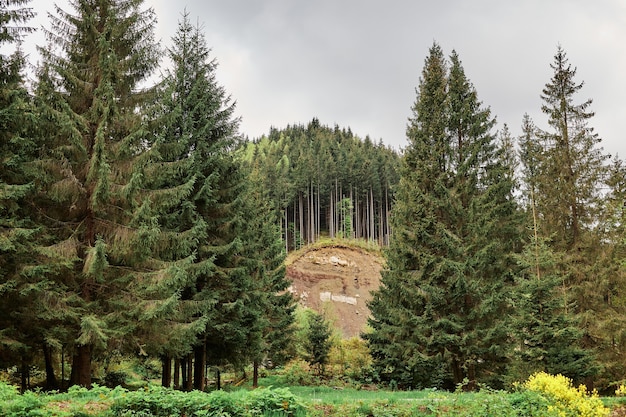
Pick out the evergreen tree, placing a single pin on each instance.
(571, 154)
(92, 202)
(565, 172)
(209, 319)
(271, 337)
(449, 265)
(317, 341)
(546, 331)
(19, 331)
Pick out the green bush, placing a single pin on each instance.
(298, 372)
(274, 402)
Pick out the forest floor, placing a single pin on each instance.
(336, 280)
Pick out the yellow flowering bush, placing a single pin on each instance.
(621, 391)
(567, 401)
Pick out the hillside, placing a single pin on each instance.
(338, 280)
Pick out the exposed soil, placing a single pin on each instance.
(338, 281)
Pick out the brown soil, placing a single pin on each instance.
(338, 281)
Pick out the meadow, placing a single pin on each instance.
(542, 395)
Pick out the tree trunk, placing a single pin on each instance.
(199, 364)
(189, 379)
(81, 367)
(218, 378)
(177, 366)
(166, 375)
(51, 380)
(457, 372)
(183, 372)
(255, 374)
(24, 375)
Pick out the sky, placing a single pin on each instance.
(357, 63)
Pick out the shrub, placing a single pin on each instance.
(298, 372)
(274, 402)
(565, 399)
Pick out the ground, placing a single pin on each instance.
(337, 280)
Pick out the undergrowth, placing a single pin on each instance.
(542, 395)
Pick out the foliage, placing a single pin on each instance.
(318, 342)
(351, 360)
(315, 169)
(298, 372)
(564, 398)
(437, 317)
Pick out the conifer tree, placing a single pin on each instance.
(19, 336)
(566, 171)
(264, 251)
(92, 201)
(571, 154)
(209, 320)
(437, 317)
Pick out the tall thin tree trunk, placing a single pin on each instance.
(24, 375)
(51, 379)
(380, 224)
(331, 216)
(218, 378)
(302, 235)
(199, 366)
(287, 228)
(81, 367)
(177, 366)
(183, 373)
(372, 217)
(388, 232)
(255, 374)
(63, 367)
(166, 372)
(189, 379)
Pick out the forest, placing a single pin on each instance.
(136, 220)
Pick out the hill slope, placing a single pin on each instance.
(337, 280)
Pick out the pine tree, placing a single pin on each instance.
(438, 314)
(92, 201)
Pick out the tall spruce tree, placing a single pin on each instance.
(565, 168)
(210, 318)
(99, 216)
(264, 253)
(571, 154)
(18, 232)
(437, 318)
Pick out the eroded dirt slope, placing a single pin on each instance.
(337, 280)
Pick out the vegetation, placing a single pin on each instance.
(437, 318)
(542, 395)
(138, 225)
(326, 181)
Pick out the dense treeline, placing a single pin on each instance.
(327, 181)
(124, 223)
(135, 220)
(505, 259)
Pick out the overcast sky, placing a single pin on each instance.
(356, 63)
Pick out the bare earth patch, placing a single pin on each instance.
(337, 281)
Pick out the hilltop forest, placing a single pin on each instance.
(136, 220)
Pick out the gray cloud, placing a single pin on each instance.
(357, 62)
